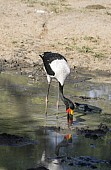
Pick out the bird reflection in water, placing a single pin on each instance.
(64, 143)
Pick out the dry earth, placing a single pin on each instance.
(78, 29)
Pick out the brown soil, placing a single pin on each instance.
(78, 29)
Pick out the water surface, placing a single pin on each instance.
(22, 106)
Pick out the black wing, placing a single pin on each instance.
(48, 57)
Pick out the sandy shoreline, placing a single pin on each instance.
(79, 30)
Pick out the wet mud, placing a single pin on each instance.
(15, 140)
(39, 168)
(99, 132)
(82, 161)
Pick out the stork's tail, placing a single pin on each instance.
(44, 54)
(41, 55)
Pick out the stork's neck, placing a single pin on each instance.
(67, 102)
(63, 98)
(61, 90)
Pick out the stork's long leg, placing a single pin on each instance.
(47, 98)
(58, 100)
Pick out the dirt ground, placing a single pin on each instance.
(78, 29)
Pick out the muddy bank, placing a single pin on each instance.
(22, 66)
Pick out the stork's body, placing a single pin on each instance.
(56, 66)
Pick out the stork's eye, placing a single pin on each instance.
(72, 107)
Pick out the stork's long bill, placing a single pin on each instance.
(69, 104)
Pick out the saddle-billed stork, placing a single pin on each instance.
(56, 66)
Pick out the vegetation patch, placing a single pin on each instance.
(91, 39)
(99, 55)
(84, 49)
(108, 13)
(97, 6)
(54, 6)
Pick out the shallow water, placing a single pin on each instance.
(22, 106)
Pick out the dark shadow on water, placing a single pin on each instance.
(87, 109)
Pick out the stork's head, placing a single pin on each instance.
(69, 106)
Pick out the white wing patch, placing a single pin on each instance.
(61, 70)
